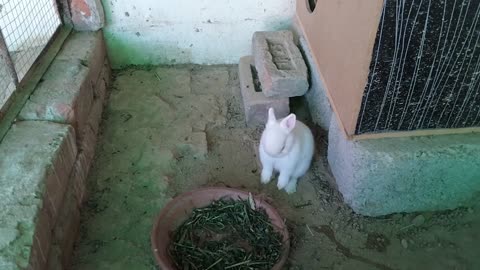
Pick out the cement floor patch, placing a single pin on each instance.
(141, 164)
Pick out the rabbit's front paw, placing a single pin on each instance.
(266, 176)
(291, 187)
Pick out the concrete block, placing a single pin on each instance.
(317, 99)
(281, 68)
(87, 15)
(36, 158)
(255, 103)
(89, 48)
(63, 96)
(383, 176)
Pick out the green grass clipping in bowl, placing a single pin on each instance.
(227, 234)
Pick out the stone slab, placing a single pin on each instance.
(384, 176)
(256, 104)
(63, 96)
(281, 68)
(36, 158)
(89, 48)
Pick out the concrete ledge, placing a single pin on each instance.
(36, 160)
(89, 48)
(63, 96)
(384, 176)
(79, 74)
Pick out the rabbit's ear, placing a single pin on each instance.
(288, 123)
(271, 115)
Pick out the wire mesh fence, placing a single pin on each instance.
(26, 26)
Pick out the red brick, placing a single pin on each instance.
(36, 261)
(100, 90)
(58, 177)
(107, 72)
(103, 82)
(55, 259)
(88, 143)
(55, 191)
(41, 241)
(87, 15)
(96, 116)
(88, 139)
(79, 177)
(66, 229)
(81, 7)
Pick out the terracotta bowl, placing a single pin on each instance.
(179, 209)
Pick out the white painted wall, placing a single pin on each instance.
(189, 31)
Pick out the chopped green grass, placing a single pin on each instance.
(227, 234)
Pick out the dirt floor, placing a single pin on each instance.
(157, 129)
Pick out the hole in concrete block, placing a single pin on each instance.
(311, 4)
(280, 55)
(256, 82)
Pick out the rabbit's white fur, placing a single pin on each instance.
(287, 147)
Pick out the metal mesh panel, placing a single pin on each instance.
(27, 26)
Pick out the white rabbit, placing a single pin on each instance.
(287, 147)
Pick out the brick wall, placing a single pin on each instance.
(46, 156)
